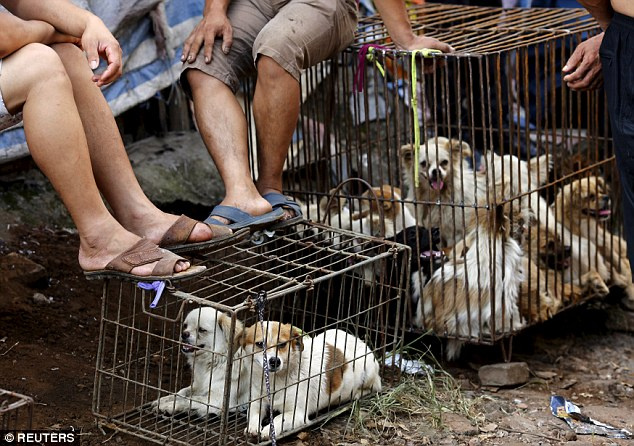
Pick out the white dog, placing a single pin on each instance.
(206, 340)
(306, 374)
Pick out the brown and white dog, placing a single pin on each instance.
(206, 341)
(447, 191)
(477, 292)
(547, 266)
(584, 207)
(306, 374)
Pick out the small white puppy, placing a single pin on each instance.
(206, 339)
(306, 374)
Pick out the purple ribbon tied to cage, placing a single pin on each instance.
(158, 286)
(364, 53)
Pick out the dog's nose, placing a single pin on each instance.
(185, 335)
(274, 363)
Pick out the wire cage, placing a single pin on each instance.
(191, 368)
(510, 172)
(16, 412)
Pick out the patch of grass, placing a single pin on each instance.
(423, 397)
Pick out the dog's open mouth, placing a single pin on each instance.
(436, 183)
(600, 214)
(188, 348)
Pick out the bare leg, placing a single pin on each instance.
(223, 128)
(277, 94)
(111, 166)
(34, 78)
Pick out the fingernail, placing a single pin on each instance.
(225, 50)
(94, 64)
(206, 60)
(565, 68)
(182, 58)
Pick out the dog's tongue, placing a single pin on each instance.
(605, 212)
(437, 184)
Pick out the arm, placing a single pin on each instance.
(15, 33)
(96, 39)
(600, 10)
(583, 69)
(397, 22)
(213, 24)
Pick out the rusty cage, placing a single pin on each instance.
(489, 146)
(183, 369)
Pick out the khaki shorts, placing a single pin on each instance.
(297, 34)
(7, 119)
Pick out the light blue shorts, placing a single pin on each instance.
(7, 119)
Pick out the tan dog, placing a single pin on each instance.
(306, 374)
(447, 189)
(584, 207)
(392, 217)
(547, 264)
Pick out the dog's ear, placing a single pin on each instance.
(407, 153)
(460, 148)
(297, 339)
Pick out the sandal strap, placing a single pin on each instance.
(141, 253)
(179, 232)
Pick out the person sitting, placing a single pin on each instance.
(73, 138)
(277, 40)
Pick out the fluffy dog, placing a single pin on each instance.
(584, 207)
(548, 263)
(206, 341)
(306, 374)
(447, 189)
(478, 292)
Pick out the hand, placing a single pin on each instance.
(420, 42)
(583, 69)
(98, 42)
(204, 35)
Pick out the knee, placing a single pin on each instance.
(69, 53)
(270, 70)
(44, 66)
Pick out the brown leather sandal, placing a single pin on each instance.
(144, 252)
(175, 238)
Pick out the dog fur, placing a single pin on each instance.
(306, 374)
(206, 341)
(584, 206)
(457, 300)
(446, 190)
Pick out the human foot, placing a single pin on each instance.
(130, 254)
(292, 210)
(253, 206)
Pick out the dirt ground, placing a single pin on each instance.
(49, 322)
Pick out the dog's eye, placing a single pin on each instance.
(201, 330)
(259, 344)
(281, 345)
(591, 197)
(423, 163)
(444, 163)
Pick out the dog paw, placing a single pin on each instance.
(165, 405)
(594, 284)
